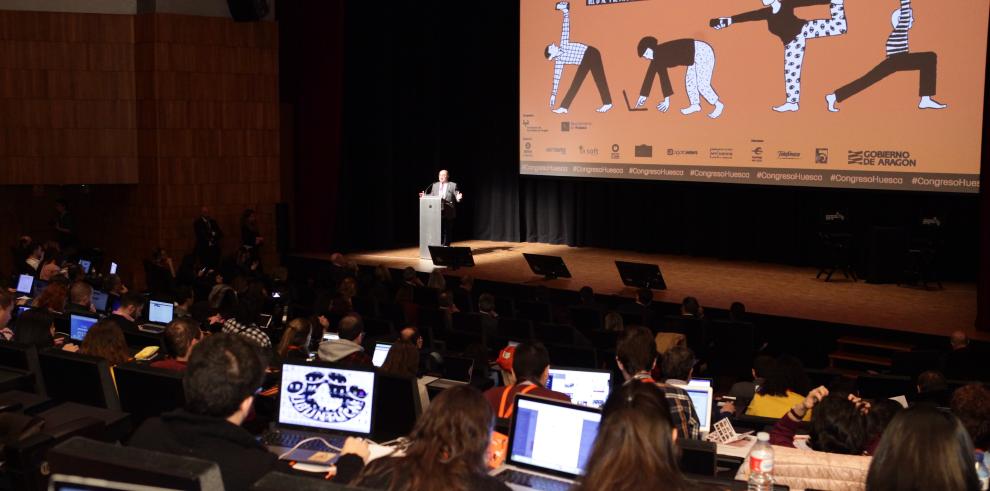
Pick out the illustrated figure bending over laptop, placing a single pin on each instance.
(587, 58)
(697, 56)
(899, 59)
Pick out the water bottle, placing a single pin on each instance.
(982, 472)
(761, 464)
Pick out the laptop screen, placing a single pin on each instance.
(701, 399)
(703, 382)
(113, 267)
(381, 352)
(330, 336)
(100, 300)
(79, 325)
(160, 312)
(322, 398)
(552, 436)
(584, 387)
(24, 284)
(458, 369)
(85, 265)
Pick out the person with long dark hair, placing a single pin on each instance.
(784, 385)
(447, 449)
(36, 327)
(106, 340)
(402, 359)
(923, 448)
(635, 448)
(295, 340)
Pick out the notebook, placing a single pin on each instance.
(584, 386)
(549, 443)
(317, 400)
(381, 352)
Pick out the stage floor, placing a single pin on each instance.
(764, 288)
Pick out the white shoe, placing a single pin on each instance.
(560, 110)
(719, 107)
(789, 107)
(928, 103)
(830, 99)
(693, 108)
(604, 109)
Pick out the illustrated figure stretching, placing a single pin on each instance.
(697, 56)
(794, 33)
(587, 58)
(899, 59)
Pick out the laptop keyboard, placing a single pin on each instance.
(532, 481)
(289, 440)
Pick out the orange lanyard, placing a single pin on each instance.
(506, 412)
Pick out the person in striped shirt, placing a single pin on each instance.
(794, 32)
(587, 58)
(899, 59)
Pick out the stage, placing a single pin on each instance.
(764, 288)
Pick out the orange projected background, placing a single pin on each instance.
(749, 79)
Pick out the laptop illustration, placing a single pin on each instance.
(320, 401)
(584, 386)
(630, 106)
(549, 443)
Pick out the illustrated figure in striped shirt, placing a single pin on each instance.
(697, 56)
(587, 58)
(899, 59)
(794, 32)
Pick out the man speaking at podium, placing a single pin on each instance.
(448, 193)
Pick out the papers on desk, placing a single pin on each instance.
(739, 448)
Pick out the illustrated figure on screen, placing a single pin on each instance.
(587, 58)
(899, 59)
(794, 32)
(450, 195)
(697, 56)
(326, 397)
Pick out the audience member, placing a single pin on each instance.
(241, 320)
(960, 363)
(49, 267)
(744, 391)
(251, 237)
(129, 311)
(410, 278)
(160, 272)
(52, 298)
(783, 387)
(36, 327)
(691, 308)
(64, 224)
(294, 345)
(437, 281)
(530, 369)
(208, 235)
(347, 351)
(448, 449)
(106, 340)
(932, 389)
(179, 338)
(971, 404)
(838, 424)
(737, 312)
(677, 365)
(184, 300)
(7, 306)
(402, 359)
(635, 448)
(32, 263)
(80, 298)
(923, 449)
(636, 356)
(640, 308)
(219, 384)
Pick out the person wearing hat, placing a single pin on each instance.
(525, 369)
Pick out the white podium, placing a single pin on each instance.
(430, 221)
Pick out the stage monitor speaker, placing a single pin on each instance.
(550, 267)
(641, 275)
(451, 257)
(248, 10)
(282, 227)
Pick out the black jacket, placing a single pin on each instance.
(242, 459)
(349, 466)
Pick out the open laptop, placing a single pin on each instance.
(100, 299)
(330, 336)
(85, 265)
(454, 371)
(629, 107)
(25, 284)
(381, 352)
(317, 400)
(113, 267)
(79, 325)
(159, 315)
(549, 443)
(584, 386)
(701, 399)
